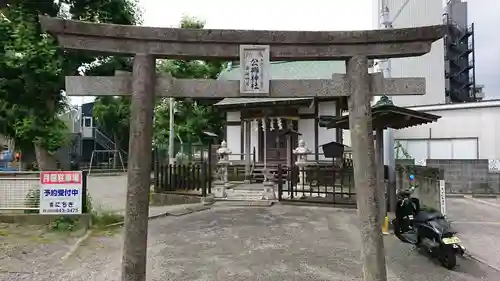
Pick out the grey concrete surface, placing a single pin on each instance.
(478, 224)
(108, 192)
(276, 243)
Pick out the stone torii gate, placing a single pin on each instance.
(146, 44)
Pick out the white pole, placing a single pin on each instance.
(389, 159)
(264, 127)
(171, 136)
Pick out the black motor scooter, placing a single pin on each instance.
(426, 230)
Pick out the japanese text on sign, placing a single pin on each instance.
(61, 192)
(254, 63)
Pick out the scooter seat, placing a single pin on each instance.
(423, 216)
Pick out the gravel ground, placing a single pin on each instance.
(26, 249)
(277, 243)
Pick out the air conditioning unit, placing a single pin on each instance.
(480, 95)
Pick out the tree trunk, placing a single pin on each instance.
(45, 160)
(28, 157)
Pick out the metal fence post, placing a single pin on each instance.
(156, 170)
(84, 192)
(204, 181)
(280, 182)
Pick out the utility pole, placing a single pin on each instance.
(387, 23)
(171, 132)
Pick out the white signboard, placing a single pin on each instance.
(442, 196)
(61, 192)
(254, 64)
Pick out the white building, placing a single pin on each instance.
(466, 130)
(415, 13)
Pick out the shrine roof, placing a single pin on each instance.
(384, 116)
(289, 70)
(230, 102)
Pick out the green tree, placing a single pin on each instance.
(33, 67)
(192, 117)
(112, 115)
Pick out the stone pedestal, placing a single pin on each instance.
(269, 188)
(301, 151)
(223, 183)
(220, 190)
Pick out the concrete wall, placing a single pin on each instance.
(467, 176)
(427, 180)
(233, 135)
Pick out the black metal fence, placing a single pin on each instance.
(190, 178)
(322, 184)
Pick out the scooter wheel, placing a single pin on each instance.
(448, 259)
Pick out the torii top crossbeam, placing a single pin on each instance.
(224, 44)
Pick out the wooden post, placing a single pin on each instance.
(248, 161)
(379, 152)
(365, 180)
(139, 169)
(289, 146)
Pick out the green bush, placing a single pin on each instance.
(64, 224)
(32, 200)
(103, 219)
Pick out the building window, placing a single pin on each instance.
(87, 122)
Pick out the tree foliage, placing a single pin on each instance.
(191, 117)
(33, 66)
(112, 115)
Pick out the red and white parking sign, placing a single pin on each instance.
(61, 192)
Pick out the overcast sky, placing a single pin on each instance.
(486, 17)
(324, 15)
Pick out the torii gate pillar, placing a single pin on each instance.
(139, 164)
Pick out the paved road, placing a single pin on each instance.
(277, 243)
(478, 224)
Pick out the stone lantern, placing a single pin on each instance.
(301, 151)
(223, 152)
